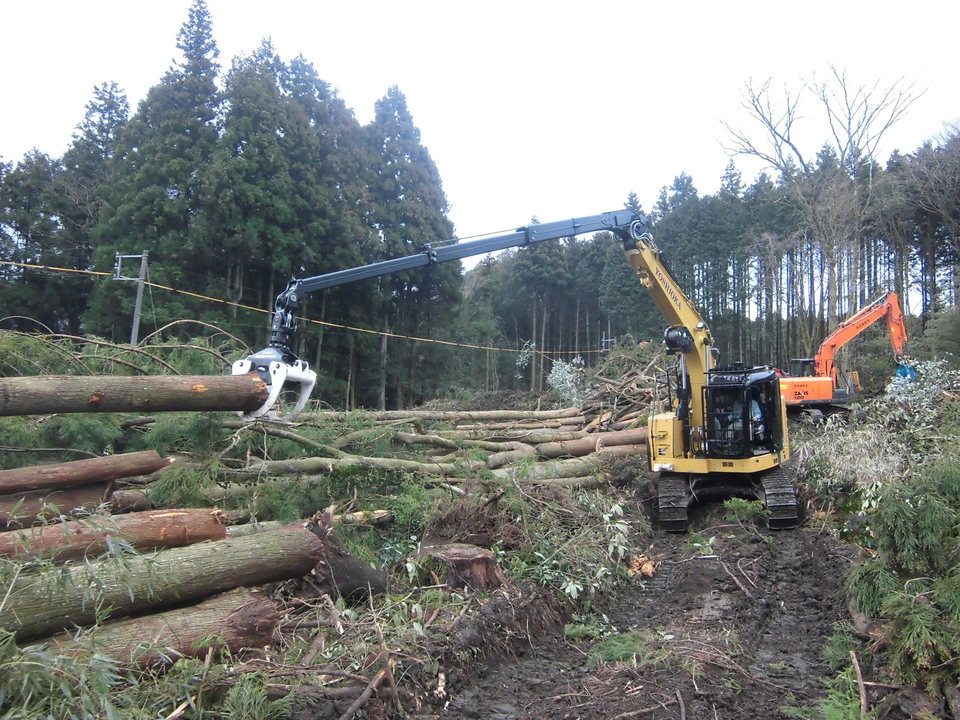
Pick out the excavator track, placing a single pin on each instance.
(673, 497)
(773, 488)
(780, 499)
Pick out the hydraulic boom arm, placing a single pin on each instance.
(887, 308)
(687, 333)
(278, 364)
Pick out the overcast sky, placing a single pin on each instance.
(549, 109)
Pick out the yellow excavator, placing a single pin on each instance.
(723, 432)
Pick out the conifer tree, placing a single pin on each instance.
(331, 166)
(155, 201)
(410, 212)
(248, 189)
(31, 225)
(88, 166)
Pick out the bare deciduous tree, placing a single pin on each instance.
(934, 173)
(829, 184)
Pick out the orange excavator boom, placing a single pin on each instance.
(886, 307)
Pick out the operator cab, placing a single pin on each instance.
(802, 367)
(742, 412)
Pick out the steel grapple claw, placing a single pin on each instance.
(279, 376)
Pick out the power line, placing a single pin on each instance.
(338, 326)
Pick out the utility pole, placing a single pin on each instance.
(135, 330)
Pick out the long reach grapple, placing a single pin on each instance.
(723, 430)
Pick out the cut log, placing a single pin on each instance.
(44, 506)
(468, 566)
(360, 517)
(232, 621)
(572, 421)
(143, 531)
(574, 467)
(591, 443)
(81, 472)
(453, 415)
(40, 395)
(586, 481)
(340, 574)
(37, 605)
(130, 500)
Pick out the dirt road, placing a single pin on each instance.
(732, 628)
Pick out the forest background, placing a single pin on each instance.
(232, 182)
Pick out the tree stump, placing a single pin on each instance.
(468, 566)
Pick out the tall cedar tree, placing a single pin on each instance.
(410, 212)
(248, 187)
(31, 223)
(543, 274)
(155, 202)
(332, 166)
(88, 166)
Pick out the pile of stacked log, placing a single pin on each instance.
(89, 550)
(548, 446)
(172, 578)
(169, 580)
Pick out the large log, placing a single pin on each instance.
(340, 573)
(143, 531)
(454, 415)
(593, 442)
(43, 506)
(81, 472)
(45, 394)
(235, 620)
(573, 467)
(40, 604)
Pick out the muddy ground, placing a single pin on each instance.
(732, 629)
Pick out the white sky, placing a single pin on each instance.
(529, 108)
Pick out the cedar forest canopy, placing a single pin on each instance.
(234, 180)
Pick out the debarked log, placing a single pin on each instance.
(593, 442)
(44, 394)
(235, 620)
(143, 531)
(42, 603)
(572, 467)
(81, 472)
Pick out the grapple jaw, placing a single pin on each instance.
(280, 374)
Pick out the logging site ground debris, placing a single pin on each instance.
(493, 556)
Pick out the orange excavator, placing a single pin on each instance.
(817, 382)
